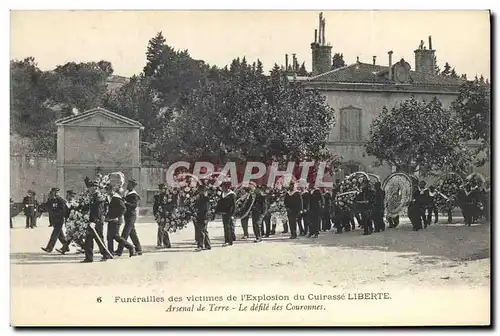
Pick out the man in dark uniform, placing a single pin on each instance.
(96, 216)
(202, 205)
(316, 209)
(30, 206)
(116, 210)
(227, 206)
(378, 208)
(422, 199)
(131, 202)
(364, 204)
(326, 221)
(431, 206)
(304, 223)
(293, 205)
(160, 207)
(249, 194)
(466, 203)
(259, 208)
(57, 209)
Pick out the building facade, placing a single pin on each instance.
(358, 92)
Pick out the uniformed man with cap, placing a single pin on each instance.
(30, 206)
(116, 210)
(202, 205)
(131, 202)
(57, 208)
(159, 211)
(227, 207)
(70, 195)
(96, 216)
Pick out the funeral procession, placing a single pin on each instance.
(331, 167)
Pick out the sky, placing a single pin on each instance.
(461, 38)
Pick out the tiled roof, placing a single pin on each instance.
(369, 73)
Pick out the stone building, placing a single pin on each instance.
(95, 141)
(358, 92)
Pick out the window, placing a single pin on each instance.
(350, 124)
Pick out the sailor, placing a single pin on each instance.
(202, 206)
(249, 196)
(30, 206)
(160, 208)
(364, 204)
(378, 208)
(294, 207)
(316, 210)
(114, 217)
(304, 222)
(227, 206)
(96, 216)
(431, 206)
(131, 202)
(70, 196)
(326, 222)
(57, 208)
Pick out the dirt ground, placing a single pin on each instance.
(450, 257)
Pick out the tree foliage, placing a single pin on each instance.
(249, 116)
(473, 109)
(417, 136)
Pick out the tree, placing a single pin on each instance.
(173, 74)
(30, 117)
(473, 110)
(249, 116)
(453, 74)
(79, 86)
(447, 69)
(338, 61)
(415, 136)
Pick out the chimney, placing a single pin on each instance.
(294, 64)
(321, 51)
(425, 58)
(315, 36)
(390, 64)
(374, 59)
(357, 59)
(430, 42)
(286, 62)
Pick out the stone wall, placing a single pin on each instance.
(31, 172)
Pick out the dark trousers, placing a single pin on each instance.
(366, 221)
(285, 221)
(113, 235)
(201, 233)
(244, 225)
(162, 237)
(65, 247)
(415, 216)
(96, 235)
(467, 212)
(57, 233)
(129, 230)
(30, 221)
(11, 226)
(378, 220)
(428, 215)
(304, 223)
(293, 220)
(257, 218)
(228, 224)
(326, 222)
(314, 221)
(267, 222)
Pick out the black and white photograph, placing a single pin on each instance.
(250, 168)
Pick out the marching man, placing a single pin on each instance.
(227, 206)
(294, 207)
(131, 202)
(57, 208)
